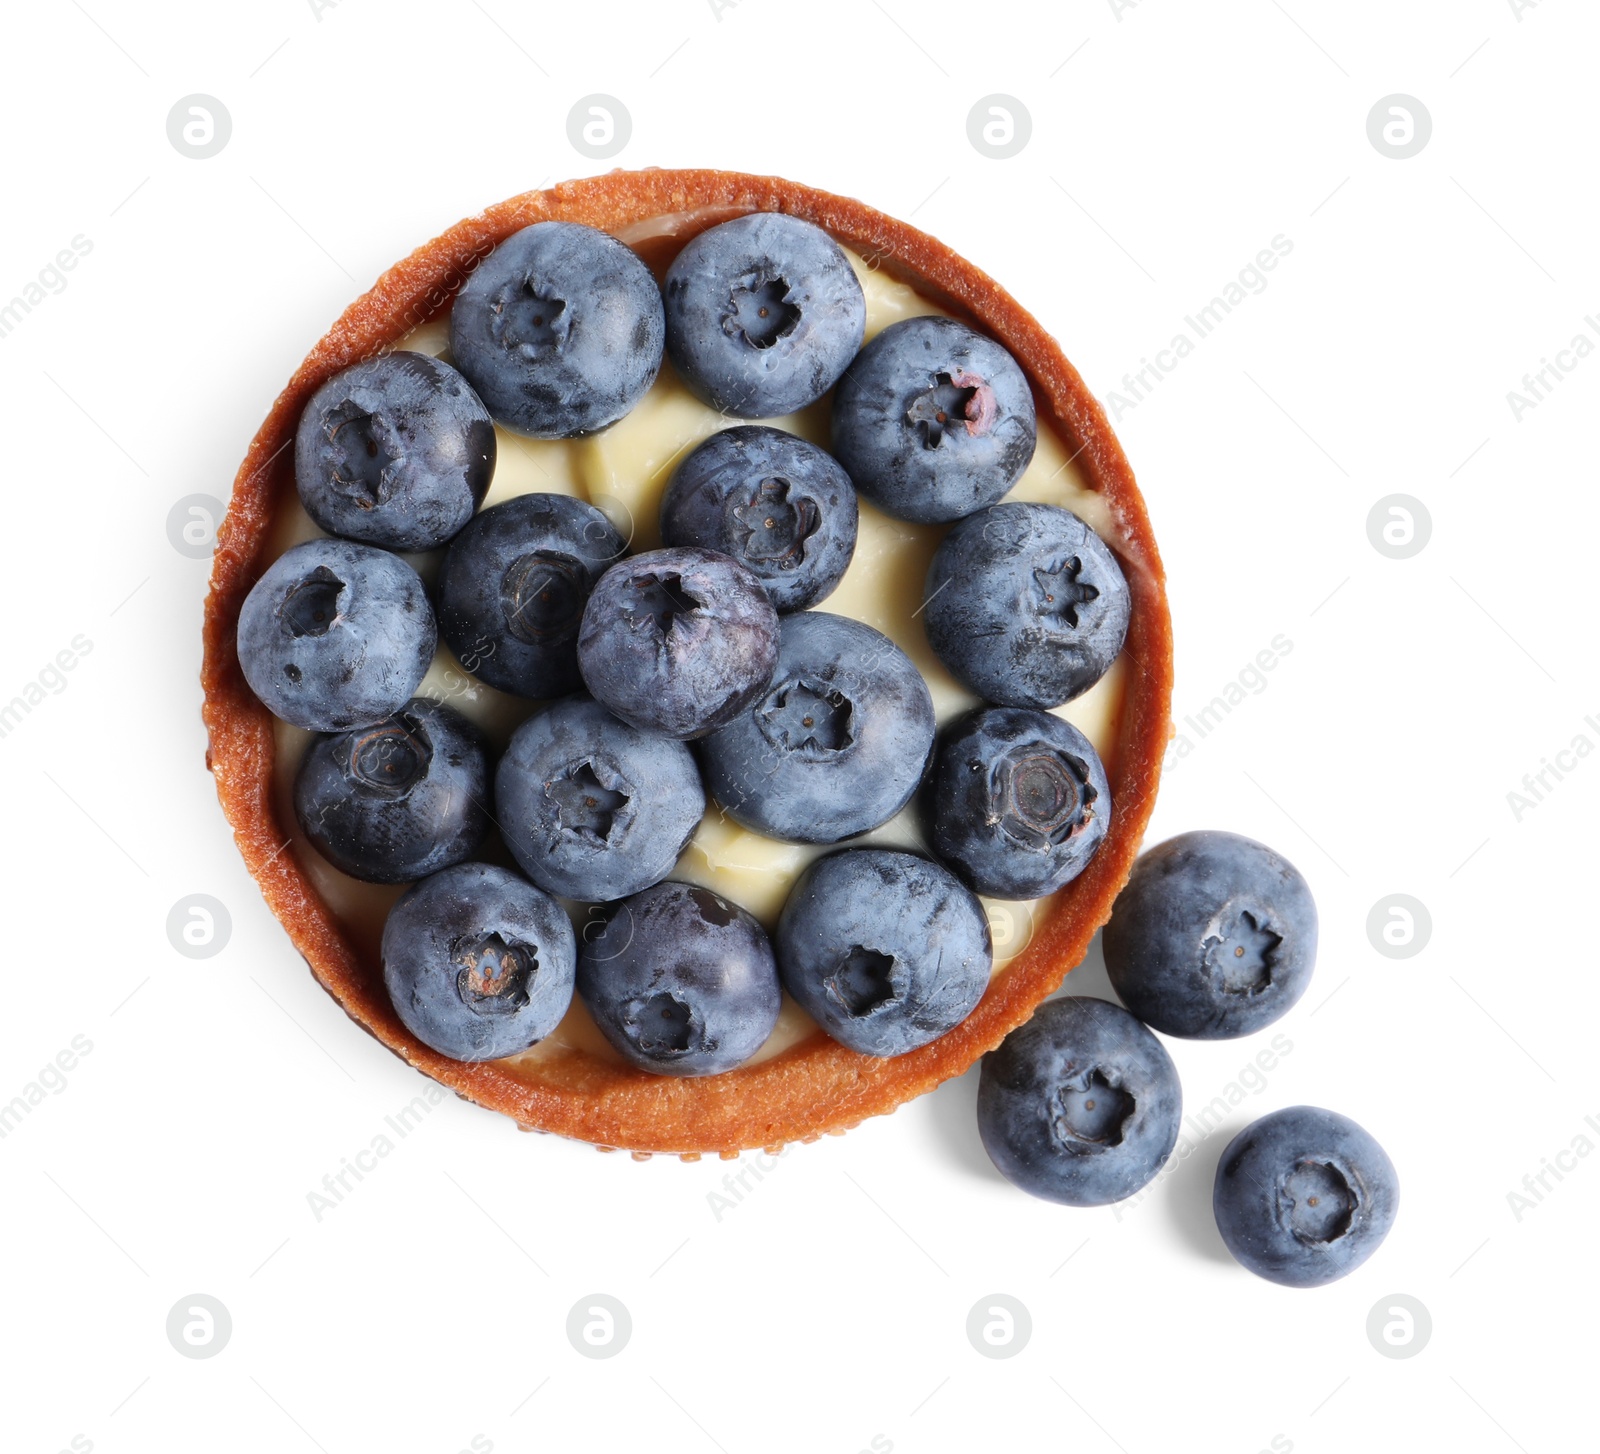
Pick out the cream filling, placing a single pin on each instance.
(623, 471)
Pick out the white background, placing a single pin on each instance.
(827, 1309)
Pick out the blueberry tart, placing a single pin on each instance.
(610, 576)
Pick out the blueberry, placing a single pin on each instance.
(396, 801)
(559, 329)
(1214, 937)
(680, 981)
(777, 504)
(1025, 605)
(1304, 1196)
(885, 950)
(1018, 801)
(396, 451)
(478, 962)
(513, 586)
(1079, 1105)
(335, 635)
(933, 421)
(838, 742)
(678, 641)
(763, 314)
(593, 808)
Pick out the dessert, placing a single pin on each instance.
(799, 1083)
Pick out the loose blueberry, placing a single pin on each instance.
(836, 745)
(1079, 1105)
(478, 962)
(560, 330)
(885, 950)
(396, 451)
(1026, 605)
(513, 586)
(1304, 1196)
(335, 635)
(780, 506)
(396, 801)
(678, 641)
(593, 808)
(1214, 937)
(763, 314)
(933, 421)
(1018, 801)
(681, 981)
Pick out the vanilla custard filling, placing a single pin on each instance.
(623, 471)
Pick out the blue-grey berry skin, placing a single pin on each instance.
(678, 641)
(560, 330)
(478, 962)
(777, 504)
(835, 746)
(335, 635)
(1215, 936)
(395, 451)
(1304, 1196)
(396, 801)
(1080, 1105)
(513, 586)
(933, 421)
(763, 314)
(593, 808)
(681, 981)
(1026, 605)
(885, 950)
(1018, 801)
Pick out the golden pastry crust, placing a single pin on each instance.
(817, 1085)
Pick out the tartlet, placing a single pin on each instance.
(817, 1085)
